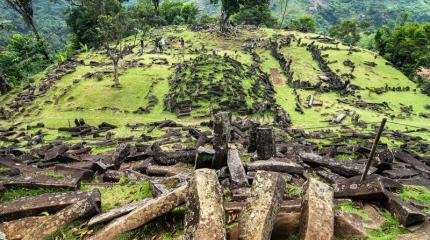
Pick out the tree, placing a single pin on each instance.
(228, 8)
(170, 11)
(407, 46)
(113, 29)
(348, 31)
(189, 12)
(284, 4)
(25, 9)
(304, 24)
(259, 8)
(144, 12)
(82, 20)
(21, 58)
(156, 4)
(255, 15)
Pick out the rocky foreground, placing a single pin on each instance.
(236, 171)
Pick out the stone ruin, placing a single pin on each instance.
(221, 189)
(222, 83)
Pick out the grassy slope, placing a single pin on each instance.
(84, 98)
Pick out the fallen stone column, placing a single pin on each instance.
(275, 166)
(30, 206)
(143, 214)
(204, 218)
(265, 143)
(317, 215)
(236, 169)
(407, 214)
(258, 217)
(116, 212)
(80, 209)
(40, 181)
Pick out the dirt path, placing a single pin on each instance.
(276, 77)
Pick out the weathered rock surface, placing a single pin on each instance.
(154, 208)
(259, 215)
(31, 206)
(37, 181)
(222, 136)
(317, 215)
(422, 233)
(371, 188)
(266, 147)
(406, 213)
(349, 225)
(204, 218)
(275, 166)
(116, 212)
(80, 209)
(236, 169)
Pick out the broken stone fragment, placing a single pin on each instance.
(275, 166)
(81, 209)
(317, 215)
(31, 206)
(14, 229)
(236, 169)
(266, 148)
(204, 218)
(406, 213)
(140, 216)
(157, 189)
(157, 170)
(39, 180)
(257, 219)
(116, 212)
(204, 157)
(341, 168)
(370, 189)
(349, 225)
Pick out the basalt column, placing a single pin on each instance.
(265, 143)
(222, 129)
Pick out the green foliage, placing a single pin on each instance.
(122, 193)
(189, 12)
(255, 15)
(15, 193)
(347, 31)
(304, 24)
(206, 19)
(83, 20)
(349, 207)
(406, 46)
(22, 58)
(170, 10)
(389, 230)
(292, 190)
(415, 193)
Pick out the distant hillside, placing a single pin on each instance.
(264, 72)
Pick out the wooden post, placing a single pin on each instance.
(373, 151)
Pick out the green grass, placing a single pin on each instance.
(389, 230)
(15, 193)
(85, 98)
(120, 194)
(415, 193)
(292, 190)
(349, 207)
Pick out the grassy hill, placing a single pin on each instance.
(211, 81)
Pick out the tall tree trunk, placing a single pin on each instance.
(223, 21)
(284, 12)
(116, 73)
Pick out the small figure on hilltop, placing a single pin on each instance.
(142, 46)
(162, 44)
(182, 46)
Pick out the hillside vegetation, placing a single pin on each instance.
(242, 73)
